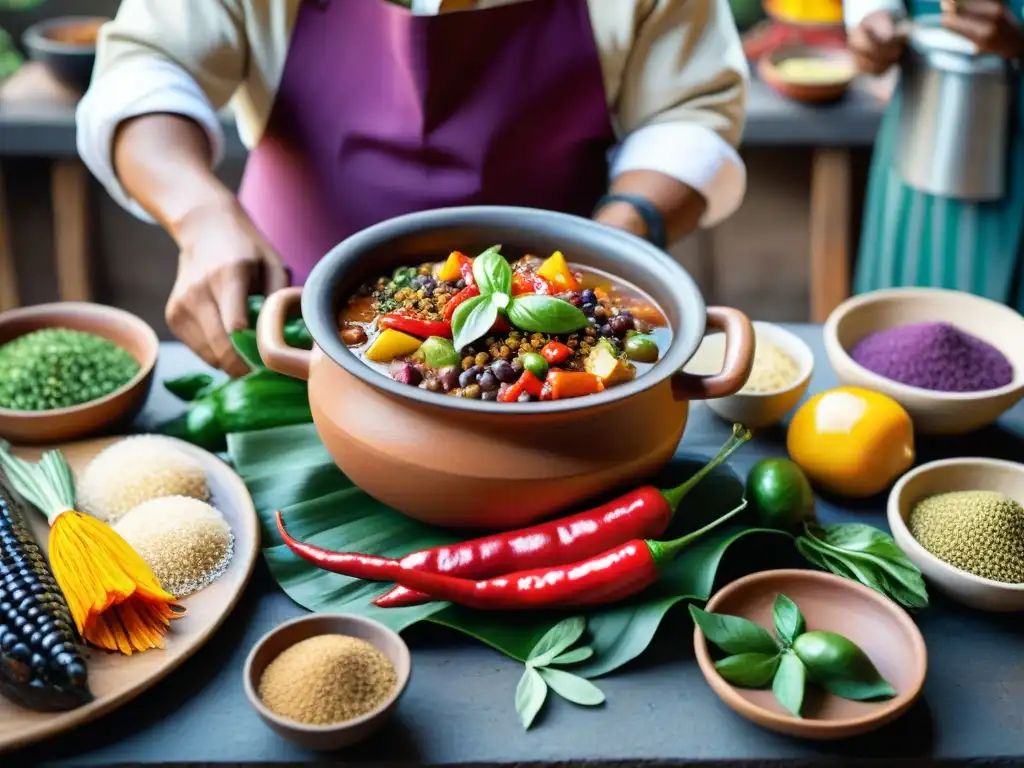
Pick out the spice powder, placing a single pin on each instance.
(327, 679)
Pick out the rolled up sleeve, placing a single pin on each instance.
(183, 58)
(682, 103)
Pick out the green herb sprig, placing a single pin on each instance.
(866, 554)
(541, 672)
(474, 317)
(792, 657)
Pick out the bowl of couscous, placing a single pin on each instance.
(781, 373)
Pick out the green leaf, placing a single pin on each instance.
(559, 638)
(790, 683)
(572, 687)
(545, 314)
(789, 622)
(575, 656)
(748, 670)
(530, 696)
(473, 318)
(492, 273)
(245, 345)
(734, 634)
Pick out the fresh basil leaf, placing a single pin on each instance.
(556, 640)
(575, 656)
(748, 670)
(473, 318)
(492, 273)
(545, 314)
(788, 620)
(571, 687)
(734, 634)
(245, 345)
(790, 683)
(530, 696)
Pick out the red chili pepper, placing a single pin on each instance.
(642, 513)
(529, 282)
(410, 322)
(453, 303)
(527, 382)
(555, 352)
(615, 574)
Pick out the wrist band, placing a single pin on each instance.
(651, 216)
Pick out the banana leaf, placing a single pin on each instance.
(287, 468)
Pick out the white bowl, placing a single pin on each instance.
(948, 475)
(933, 412)
(762, 409)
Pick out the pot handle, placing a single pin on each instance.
(739, 359)
(276, 354)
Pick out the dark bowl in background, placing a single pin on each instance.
(67, 46)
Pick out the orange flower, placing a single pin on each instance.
(115, 599)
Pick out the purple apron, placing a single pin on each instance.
(381, 113)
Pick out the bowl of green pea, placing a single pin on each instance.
(72, 369)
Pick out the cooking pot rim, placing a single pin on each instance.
(636, 254)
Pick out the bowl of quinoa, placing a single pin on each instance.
(952, 359)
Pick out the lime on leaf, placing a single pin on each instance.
(780, 494)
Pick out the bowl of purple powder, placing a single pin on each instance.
(955, 361)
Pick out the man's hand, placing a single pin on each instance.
(989, 24)
(875, 43)
(223, 257)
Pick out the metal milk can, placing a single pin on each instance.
(955, 116)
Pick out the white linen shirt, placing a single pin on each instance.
(674, 74)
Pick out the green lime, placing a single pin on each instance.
(780, 494)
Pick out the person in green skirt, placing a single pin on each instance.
(910, 237)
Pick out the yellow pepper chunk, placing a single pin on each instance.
(555, 270)
(852, 441)
(390, 344)
(451, 270)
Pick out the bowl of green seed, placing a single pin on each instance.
(71, 369)
(961, 521)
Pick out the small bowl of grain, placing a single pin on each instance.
(327, 681)
(782, 370)
(961, 522)
(812, 74)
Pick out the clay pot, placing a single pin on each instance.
(464, 463)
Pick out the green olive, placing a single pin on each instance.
(780, 494)
(839, 666)
(535, 364)
(642, 349)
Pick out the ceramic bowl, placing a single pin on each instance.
(67, 46)
(762, 409)
(967, 474)
(881, 628)
(119, 407)
(440, 459)
(932, 412)
(771, 68)
(326, 737)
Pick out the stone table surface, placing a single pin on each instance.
(458, 709)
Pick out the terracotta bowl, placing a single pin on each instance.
(119, 407)
(932, 412)
(448, 461)
(67, 46)
(881, 628)
(326, 737)
(969, 474)
(763, 409)
(811, 92)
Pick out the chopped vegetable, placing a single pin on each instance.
(437, 352)
(555, 352)
(566, 384)
(525, 282)
(452, 269)
(557, 272)
(527, 383)
(536, 364)
(410, 322)
(469, 292)
(390, 344)
(607, 367)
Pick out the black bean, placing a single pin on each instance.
(606, 330)
(621, 324)
(470, 375)
(505, 371)
(488, 381)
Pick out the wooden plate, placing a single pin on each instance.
(881, 628)
(115, 679)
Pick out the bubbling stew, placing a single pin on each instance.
(489, 328)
